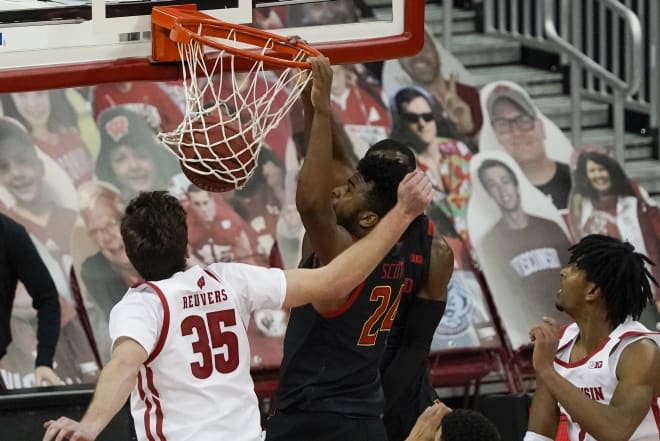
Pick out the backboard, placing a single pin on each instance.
(64, 43)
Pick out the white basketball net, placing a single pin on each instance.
(256, 102)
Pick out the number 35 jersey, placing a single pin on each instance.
(195, 383)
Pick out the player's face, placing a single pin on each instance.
(502, 188)
(424, 67)
(573, 288)
(103, 221)
(34, 107)
(599, 177)
(419, 117)
(350, 199)
(525, 142)
(202, 205)
(21, 172)
(133, 168)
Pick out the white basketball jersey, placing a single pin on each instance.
(196, 383)
(595, 375)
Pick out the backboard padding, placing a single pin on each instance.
(55, 56)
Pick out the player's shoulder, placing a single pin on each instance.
(236, 270)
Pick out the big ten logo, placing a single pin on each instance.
(595, 364)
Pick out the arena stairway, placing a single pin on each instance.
(489, 58)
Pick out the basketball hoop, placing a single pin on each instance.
(230, 91)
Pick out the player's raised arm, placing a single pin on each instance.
(352, 266)
(315, 182)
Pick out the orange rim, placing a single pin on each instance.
(181, 32)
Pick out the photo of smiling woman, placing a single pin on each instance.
(604, 201)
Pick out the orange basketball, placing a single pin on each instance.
(221, 147)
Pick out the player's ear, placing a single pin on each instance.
(368, 219)
(593, 293)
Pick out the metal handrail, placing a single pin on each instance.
(634, 31)
(580, 62)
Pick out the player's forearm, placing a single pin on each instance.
(544, 413)
(603, 422)
(354, 264)
(113, 388)
(314, 179)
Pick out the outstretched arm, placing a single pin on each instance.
(416, 328)
(352, 266)
(315, 184)
(114, 386)
(638, 372)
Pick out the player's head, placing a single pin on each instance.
(202, 204)
(101, 209)
(21, 170)
(605, 271)
(597, 174)
(467, 425)
(390, 149)
(155, 235)
(369, 193)
(501, 184)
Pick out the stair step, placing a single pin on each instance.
(558, 109)
(638, 147)
(645, 173)
(536, 82)
(481, 50)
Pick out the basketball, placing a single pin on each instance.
(217, 154)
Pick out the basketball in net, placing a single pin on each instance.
(235, 94)
(217, 153)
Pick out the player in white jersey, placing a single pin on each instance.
(180, 345)
(603, 371)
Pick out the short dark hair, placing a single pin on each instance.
(391, 145)
(386, 174)
(619, 271)
(620, 183)
(468, 425)
(490, 163)
(155, 235)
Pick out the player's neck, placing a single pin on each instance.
(594, 329)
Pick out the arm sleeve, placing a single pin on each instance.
(258, 287)
(139, 316)
(400, 376)
(32, 271)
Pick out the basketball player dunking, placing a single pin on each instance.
(330, 384)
